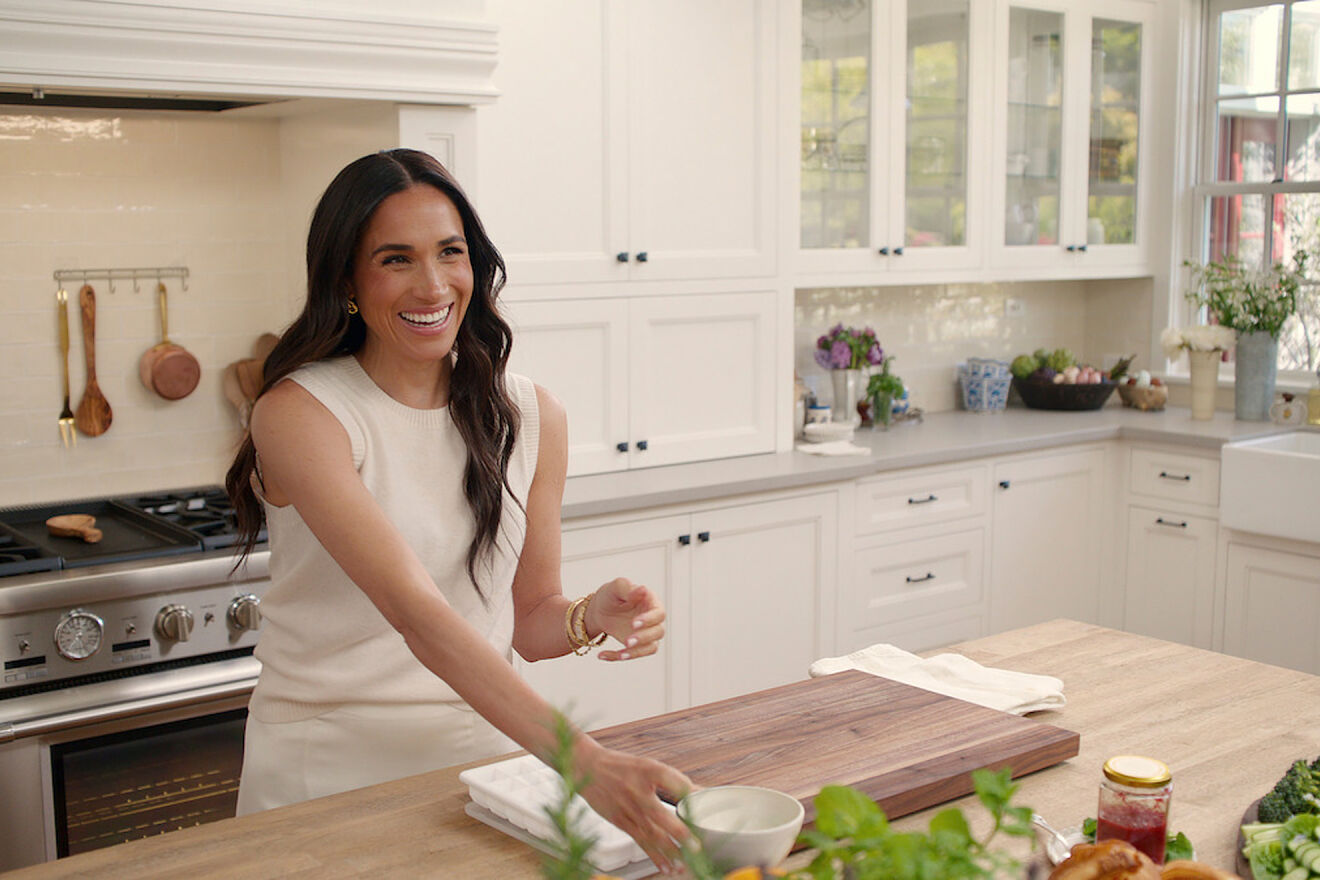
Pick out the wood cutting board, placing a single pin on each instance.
(905, 747)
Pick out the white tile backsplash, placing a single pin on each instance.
(100, 189)
(931, 328)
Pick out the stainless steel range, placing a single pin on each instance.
(127, 665)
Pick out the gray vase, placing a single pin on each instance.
(1255, 368)
(849, 387)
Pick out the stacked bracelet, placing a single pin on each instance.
(575, 626)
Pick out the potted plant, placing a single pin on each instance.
(882, 390)
(847, 352)
(1205, 346)
(1255, 303)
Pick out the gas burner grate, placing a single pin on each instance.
(18, 555)
(205, 511)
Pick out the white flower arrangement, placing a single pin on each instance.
(1199, 337)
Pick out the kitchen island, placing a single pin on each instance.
(1227, 727)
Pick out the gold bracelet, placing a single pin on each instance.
(578, 647)
(581, 626)
(575, 626)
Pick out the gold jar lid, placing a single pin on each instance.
(1137, 771)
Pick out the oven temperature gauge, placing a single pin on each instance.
(78, 634)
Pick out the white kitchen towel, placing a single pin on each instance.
(954, 676)
(834, 447)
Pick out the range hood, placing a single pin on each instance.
(223, 53)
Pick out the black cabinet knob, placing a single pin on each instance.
(1082, 248)
(622, 447)
(898, 251)
(1072, 248)
(642, 256)
(884, 251)
(703, 537)
(1003, 484)
(641, 445)
(684, 540)
(621, 256)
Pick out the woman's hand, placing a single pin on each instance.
(630, 613)
(623, 789)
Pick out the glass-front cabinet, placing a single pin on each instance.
(973, 138)
(892, 117)
(1072, 186)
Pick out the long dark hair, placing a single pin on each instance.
(479, 403)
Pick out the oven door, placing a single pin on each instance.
(119, 769)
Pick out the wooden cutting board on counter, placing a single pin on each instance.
(905, 747)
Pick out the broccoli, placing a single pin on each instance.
(1297, 792)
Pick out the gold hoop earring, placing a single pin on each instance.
(352, 307)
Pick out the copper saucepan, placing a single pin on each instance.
(168, 369)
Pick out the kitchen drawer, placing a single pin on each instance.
(913, 578)
(920, 498)
(924, 634)
(1172, 476)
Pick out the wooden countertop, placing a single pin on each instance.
(1227, 727)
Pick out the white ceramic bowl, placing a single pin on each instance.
(827, 432)
(743, 825)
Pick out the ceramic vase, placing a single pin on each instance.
(1254, 371)
(849, 387)
(1205, 382)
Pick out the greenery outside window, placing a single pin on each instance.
(1258, 185)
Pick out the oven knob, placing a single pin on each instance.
(174, 623)
(244, 613)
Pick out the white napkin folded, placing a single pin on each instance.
(833, 447)
(954, 676)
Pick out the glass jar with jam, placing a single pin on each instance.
(1134, 804)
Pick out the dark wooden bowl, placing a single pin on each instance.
(1047, 395)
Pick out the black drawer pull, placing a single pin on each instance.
(643, 256)
(621, 256)
(685, 539)
(1165, 475)
(641, 445)
(1004, 484)
(927, 500)
(703, 537)
(928, 576)
(1159, 520)
(622, 447)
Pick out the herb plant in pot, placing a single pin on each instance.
(882, 390)
(1255, 303)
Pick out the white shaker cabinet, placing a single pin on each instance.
(748, 587)
(1171, 510)
(631, 141)
(1272, 601)
(653, 381)
(1169, 587)
(1072, 152)
(1048, 525)
(596, 693)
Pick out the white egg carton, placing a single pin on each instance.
(519, 790)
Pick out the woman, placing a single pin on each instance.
(412, 492)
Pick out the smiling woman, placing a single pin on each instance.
(412, 490)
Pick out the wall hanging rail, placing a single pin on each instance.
(135, 275)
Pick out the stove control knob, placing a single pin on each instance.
(174, 623)
(244, 614)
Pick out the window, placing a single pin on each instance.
(1259, 181)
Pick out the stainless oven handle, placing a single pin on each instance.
(96, 714)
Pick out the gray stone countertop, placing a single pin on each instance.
(941, 438)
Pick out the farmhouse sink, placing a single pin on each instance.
(1271, 486)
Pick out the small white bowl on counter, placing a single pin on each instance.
(827, 432)
(743, 825)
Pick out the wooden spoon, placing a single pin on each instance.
(74, 525)
(93, 414)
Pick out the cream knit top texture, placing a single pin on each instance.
(323, 643)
